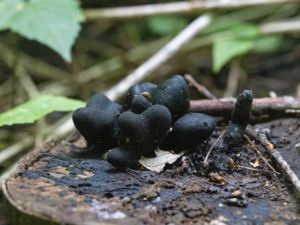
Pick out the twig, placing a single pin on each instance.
(260, 155)
(200, 88)
(39, 68)
(262, 108)
(212, 147)
(174, 8)
(7, 172)
(233, 79)
(276, 156)
(15, 149)
(160, 57)
(248, 168)
(114, 66)
(280, 27)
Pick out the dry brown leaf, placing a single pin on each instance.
(217, 178)
(255, 164)
(162, 158)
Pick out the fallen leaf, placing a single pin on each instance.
(255, 164)
(217, 178)
(162, 158)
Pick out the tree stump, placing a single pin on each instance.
(59, 183)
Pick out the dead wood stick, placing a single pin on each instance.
(252, 145)
(199, 87)
(163, 55)
(276, 156)
(262, 108)
(183, 7)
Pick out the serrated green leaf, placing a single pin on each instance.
(38, 107)
(54, 23)
(163, 25)
(267, 43)
(226, 49)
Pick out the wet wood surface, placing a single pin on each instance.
(62, 184)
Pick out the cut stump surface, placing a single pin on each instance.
(54, 183)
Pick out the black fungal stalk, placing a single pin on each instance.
(240, 118)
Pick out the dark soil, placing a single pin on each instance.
(70, 189)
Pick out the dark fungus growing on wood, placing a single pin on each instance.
(139, 104)
(143, 133)
(239, 119)
(137, 89)
(97, 122)
(174, 94)
(145, 122)
(189, 131)
(123, 156)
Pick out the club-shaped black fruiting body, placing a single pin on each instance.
(142, 132)
(137, 89)
(97, 122)
(189, 131)
(174, 94)
(139, 104)
(240, 117)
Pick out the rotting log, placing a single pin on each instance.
(262, 108)
(57, 184)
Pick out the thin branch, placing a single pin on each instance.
(38, 67)
(7, 172)
(262, 108)
(280, 27)
(212, 147)
(252, 145)
(183, 7)
(276, 156)
(199, 87)
(15, 149)
(160, 57)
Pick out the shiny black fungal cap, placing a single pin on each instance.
(140, 104)
(174, 94)
(242, 109)
(97, 122)
(123, 156)
(137, 89)
(147, 130)
(240, 117)
(189, 131)
(102, 102)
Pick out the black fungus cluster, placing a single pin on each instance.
(153, 116)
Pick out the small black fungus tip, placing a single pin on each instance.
(140, 104)
(123, 156)
(242, 108)
(189, 131)
(240, 118)
(137, 89)
(174, 94)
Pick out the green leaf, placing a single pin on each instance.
(267, 44)
(226, 49)
(38, 107)
(54, 23)
(163, 25)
